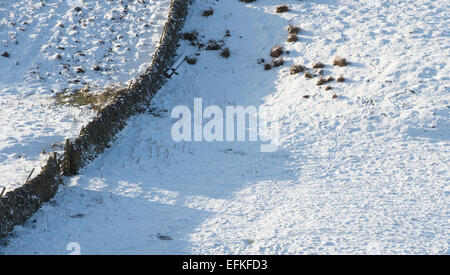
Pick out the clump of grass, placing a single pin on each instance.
(190, 36)
(208, 13)
(261, 61)
(308, 74)
(278, 62)
(321, 81)
(213, 45)
(225, 53)
(340, 79)
(267, 66)
(334, 96)
(276, 51)
(84, 97)
(247, 1)
(6, 54)
(306, 96)
(292, 38)
(80, 70)
(282, 8)
(293, 29)
(97, 67)
(318, 65)
(340, 61)
(297, 69)
(328, 88)
(318, 71)
(191, 60)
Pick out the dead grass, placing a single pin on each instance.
(322, 80)
(85, 97)
(293, 29)
(80, 70)
(225, 53)
(328, 88)
(334, 96)
(308, 74)
(276, 51)
(318, 65)
(267, 66)
(208, 13)
(278, 62)
(97, 68)
(213, 45)
(340, 61)
(190, 36)
(292, 38)
(297, 69)
(340, 79)
(282, 8)
(318, 71)
(191, 60)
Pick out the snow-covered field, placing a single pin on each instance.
(363, 172)
(48, 47)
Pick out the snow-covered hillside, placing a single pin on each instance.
(54, 46)
(361, 168)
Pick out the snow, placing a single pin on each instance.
(365, 172)
(47, 41)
